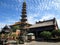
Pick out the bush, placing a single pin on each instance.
(46, 34)
(56, 33)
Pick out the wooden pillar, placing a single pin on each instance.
(36, 34)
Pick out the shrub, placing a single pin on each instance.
(45, 34)
(56, 33)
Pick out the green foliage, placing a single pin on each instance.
(6, 35)
(14, 35)
(14, 28)
(46, 34)
(56, 33)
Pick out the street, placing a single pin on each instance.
(41, 43)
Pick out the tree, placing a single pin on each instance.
(14, 36)
(14, 28)
(45, 34)
(56, 33)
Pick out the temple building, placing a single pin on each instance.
(17, 25)
(6, 29)
(46, 25)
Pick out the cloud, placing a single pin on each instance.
(17, 8)
(47, 16)
(47, 5)
(34, 9)
(19, 1)
(8, 5)
(58, 21)
(9, 22)
(2, 25)
(32, 18)
(56, 4)
(51, 16)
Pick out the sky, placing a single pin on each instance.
(37, 10)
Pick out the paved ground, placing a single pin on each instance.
(41, 43)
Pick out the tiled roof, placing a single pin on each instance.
(43, 23)
(18, 23)
(7, 27)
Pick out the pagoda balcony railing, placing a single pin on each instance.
(23, 20)
(24, 12)
(24, 4)
(24, 9)
(23, 16)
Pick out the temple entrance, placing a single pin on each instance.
(37, 34)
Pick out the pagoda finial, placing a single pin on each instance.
(24, 0)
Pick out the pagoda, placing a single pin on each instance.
(23, 23)
(23, 16)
